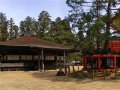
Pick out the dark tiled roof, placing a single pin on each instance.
(34, 42)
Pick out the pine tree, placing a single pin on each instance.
(11, 31)
(3, 27)
(44, 23)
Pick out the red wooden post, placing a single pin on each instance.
(114, 62)
(99, 63)
(85, 61)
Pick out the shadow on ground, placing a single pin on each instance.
(51, 75)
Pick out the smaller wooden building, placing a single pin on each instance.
(31, 53)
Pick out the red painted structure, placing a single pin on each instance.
(114, 46)
(100, 62)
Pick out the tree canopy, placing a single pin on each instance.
(92, 19)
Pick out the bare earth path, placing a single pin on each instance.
(19, 80)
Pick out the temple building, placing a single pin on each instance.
(31, 53)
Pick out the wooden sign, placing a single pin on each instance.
(115, 23)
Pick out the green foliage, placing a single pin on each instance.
(116, 23)
(3, 27)
(75, 57)
(60, 32)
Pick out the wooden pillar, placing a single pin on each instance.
(99, 63)
(65, 63)
(56, 62)
(114, 62)
(43, 68)
(39, 68)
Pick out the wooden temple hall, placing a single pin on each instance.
(31, 53)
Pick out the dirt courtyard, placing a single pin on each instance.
(20, 80)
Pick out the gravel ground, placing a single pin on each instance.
(19, 80)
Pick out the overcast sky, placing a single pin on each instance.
(20, 9)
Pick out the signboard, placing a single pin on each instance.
(115, 23)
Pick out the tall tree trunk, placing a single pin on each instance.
(107, 34)
(98, 32)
